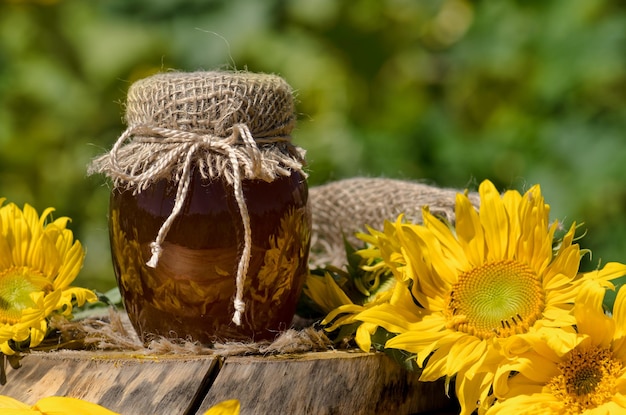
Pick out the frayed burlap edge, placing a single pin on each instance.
(114, 332)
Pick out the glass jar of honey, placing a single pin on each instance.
(209, 215)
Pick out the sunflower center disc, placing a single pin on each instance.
(499, 298)
(15, 289)
(587, 379)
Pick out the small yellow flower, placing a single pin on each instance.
(38, 262)
(364, 284)
(344, 311)
(591, 378)
(53, 405)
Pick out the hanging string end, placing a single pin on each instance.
(156, 255)
(240, 307)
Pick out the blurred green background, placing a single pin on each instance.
(449, 92)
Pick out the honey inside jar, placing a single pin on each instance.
(189, 293)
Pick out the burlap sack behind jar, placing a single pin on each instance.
(342, 208)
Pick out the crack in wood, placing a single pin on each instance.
(204, 387)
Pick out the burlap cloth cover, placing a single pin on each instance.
(228, 125)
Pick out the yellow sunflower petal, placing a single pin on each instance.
(6, 349)
(229, 407)
(464, 352)
(440, 262)
(37, 334)
(443, 234)
(61, 222)
(6, 402)
(610, 271)
(30, 216)
(392, 318)
(410, 244)
(72, 263)
(519, 384)
(71, 294)
(535, 367)
(46, 258)
(590, 317)
(58, 405)
(535, 244)
(512, 200)
(435, 369)
(5, 252)
(471, 393)
(425, 343)
(536, 404)
(364, 334)
(608, 408)
(19, 236)
(619, 314)
(620, 400)
(495, 223)
(25, 411)
(469, 230)
(325, 292)
(560, 272)
(339, 321)
(344, 309)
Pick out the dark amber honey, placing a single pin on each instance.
(190, 293)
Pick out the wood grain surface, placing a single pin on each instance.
(324, 383)
(333, 382)
(121, 382)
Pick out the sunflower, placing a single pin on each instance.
(591, 378)
(39, 259)
(497, 275)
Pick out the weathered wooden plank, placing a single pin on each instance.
(324, 383)
(125, 383)
(331, 382)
